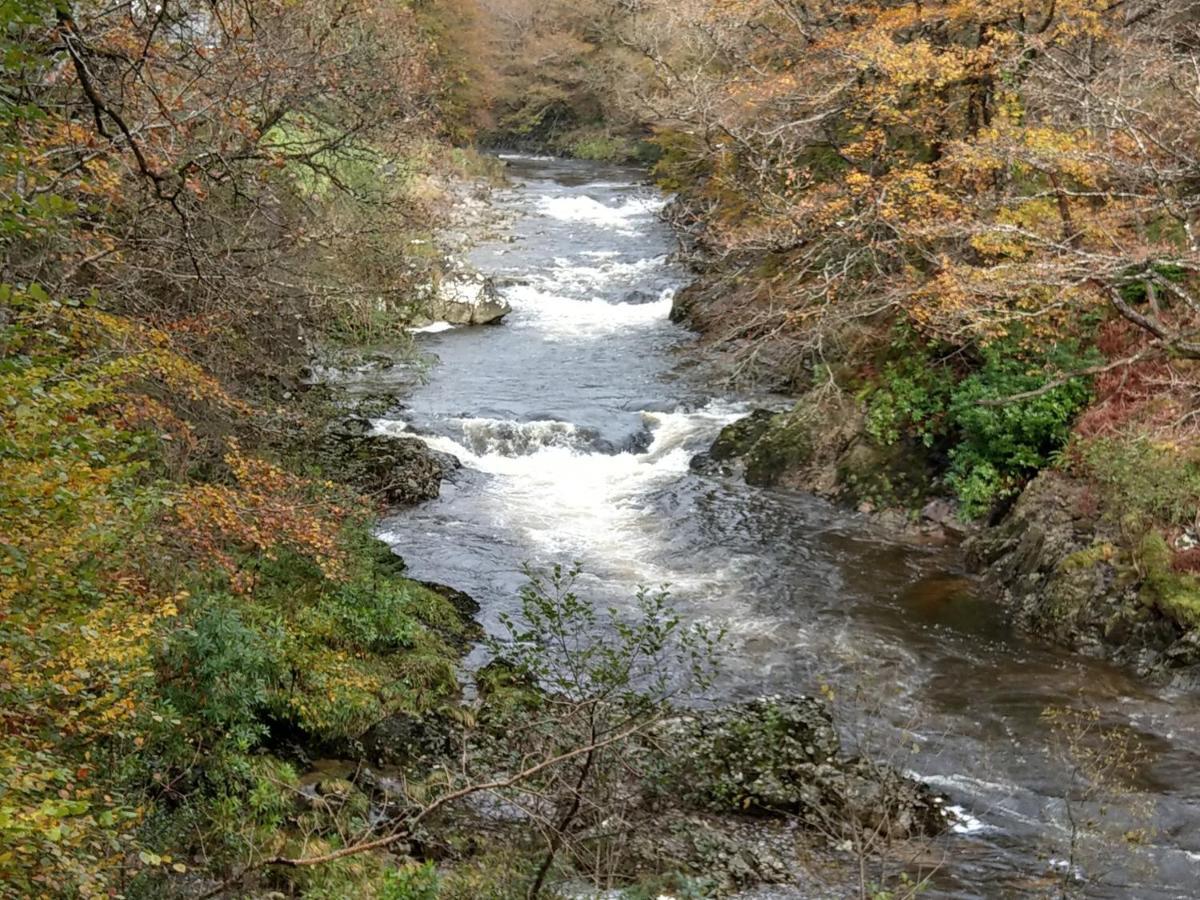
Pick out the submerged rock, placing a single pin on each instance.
(638, 297)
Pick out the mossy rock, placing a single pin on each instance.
(782, 756)
(893, 476)
(507, 691)
(400, 470)
(1174, 594)
(786, 445)
(760, 756)
(738, 438)
(770, 444)
(409, 740)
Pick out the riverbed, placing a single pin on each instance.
(575, 421)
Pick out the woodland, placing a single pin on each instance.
(970, 228)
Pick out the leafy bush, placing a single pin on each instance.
(991, 442)
(227, 669)
(410, 883)
(1001, 442)
(601, 148)
(913, 398)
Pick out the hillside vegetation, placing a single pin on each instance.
(968, 231)
(181, 585)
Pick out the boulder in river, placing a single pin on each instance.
(401, 470)
(638, 297)
(770, 445)
(464, 299)
(464, 604)
(782, 756)
(738, 438)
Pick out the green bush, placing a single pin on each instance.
(1001, 442)
(226, 669)
(600, 146)
(416, 882)
(991, 443)
(912, 399)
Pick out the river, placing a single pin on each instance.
(575, 421)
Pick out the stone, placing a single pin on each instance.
(464, 604)
(638, 297)
(782, 756)
(403, 739)
(938, 511)
(1068, 576)
(464, 299)
(738, 438)
(401, 470)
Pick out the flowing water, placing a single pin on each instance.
(575, 421)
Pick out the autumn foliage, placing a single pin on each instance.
(982, 178)
(177, 182)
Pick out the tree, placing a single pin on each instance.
(972, 167)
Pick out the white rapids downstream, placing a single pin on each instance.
(575, 421)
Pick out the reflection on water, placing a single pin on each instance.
(575, 430)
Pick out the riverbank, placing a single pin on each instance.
(1069, 553)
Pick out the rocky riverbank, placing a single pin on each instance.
(1066, 570)
(729, 799)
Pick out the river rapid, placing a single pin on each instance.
(575, 421)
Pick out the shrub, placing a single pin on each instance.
(1144, 481)
(602, 148)
(1001, 442)
(912, 398)
(226, 669)
(991, 443)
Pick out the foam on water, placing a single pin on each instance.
(487, 436)
(588, 211)
(569, 276)
(962, 822)
(392, 427)
(559, 315)
(570, 502)
(432, 328)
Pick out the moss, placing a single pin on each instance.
(601, 145)
(784, 445)
(1175, 595)
(1087, 558)
(679, 164)
(738, 438)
